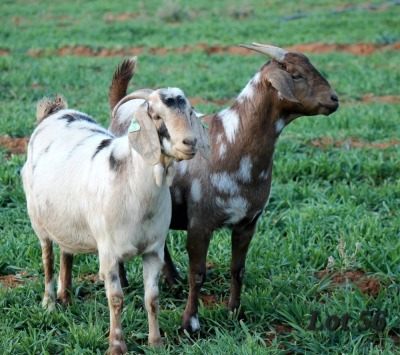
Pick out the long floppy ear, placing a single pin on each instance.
(279, 79)
(143, 136)
(283, 82)
(201, 133)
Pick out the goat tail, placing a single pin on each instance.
(121, 78)
(45, 107)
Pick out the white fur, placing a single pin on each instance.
(247, 93)
(159, 174)
(182, 167)
(230, 121)
(195, 190)
(244, 173)
(264, 174)
(177, 195)
(256, 78)
(279, 125)
(92, 193)
(87, 195)
(235, 207)
(194, 323)
(224, 183)
(222, 150)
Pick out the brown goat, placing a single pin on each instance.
(232, 189)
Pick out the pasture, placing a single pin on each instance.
(323, 270)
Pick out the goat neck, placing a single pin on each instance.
(250, 126)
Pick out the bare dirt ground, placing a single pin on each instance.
(353, 142)
(14, 145)
(367, 285)
(317, 47)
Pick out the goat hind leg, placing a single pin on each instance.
(171, 275)
(122, 275)
(65, 278)
(49, 298)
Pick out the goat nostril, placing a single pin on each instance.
(335, 98)
(190, 142)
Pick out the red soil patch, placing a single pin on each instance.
(14, 145)
(357, 49)
(387, 99)
(4, 52)
(92, 278)
(367, 285)
(352, 143)
(109, 17)
(198, 101)
(18, 20)
(210, 301)
(318, 47)
(11, 281)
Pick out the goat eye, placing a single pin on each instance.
(296, 76)
(157, 117)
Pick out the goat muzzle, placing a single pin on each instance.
(187, 149)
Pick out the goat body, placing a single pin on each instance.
(233, 187)
(91, 192)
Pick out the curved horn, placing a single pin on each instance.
(139, 94)
(274, 52)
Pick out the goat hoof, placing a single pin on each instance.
(156, 343)
(64, 299)
(117, 348)
(49, 303)
(237, 313)
(190, 324)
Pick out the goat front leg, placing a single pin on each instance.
(49, 297)
(109, 273)
(197, 247)
(240, 244)
(65, 278)
(152, 264)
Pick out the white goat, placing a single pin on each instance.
(90, 192)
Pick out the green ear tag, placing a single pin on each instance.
(202, 123)
(135, 126)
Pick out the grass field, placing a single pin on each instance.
(328, 243)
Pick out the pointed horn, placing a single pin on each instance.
(274, 52)
(139, 94)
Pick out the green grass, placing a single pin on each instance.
(322, 198)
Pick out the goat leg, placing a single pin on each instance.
(171, 275)
(109, 273)
(240, 244)
(65, 278)
(48, 264)
(122, 275)
(152, 264)
(197, 247)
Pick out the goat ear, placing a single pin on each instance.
(282, 81)
(201, 132)
(143, 136)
